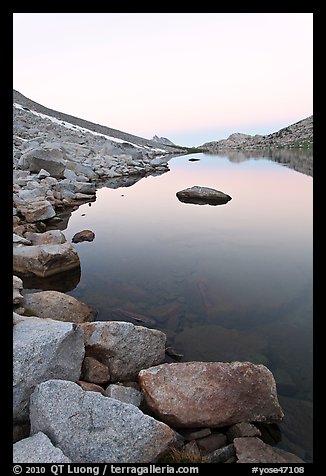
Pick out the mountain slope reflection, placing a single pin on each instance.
(300, 160)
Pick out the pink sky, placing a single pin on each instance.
(192, 77)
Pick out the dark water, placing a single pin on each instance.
(228, 282)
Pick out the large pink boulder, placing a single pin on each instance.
(210, 394)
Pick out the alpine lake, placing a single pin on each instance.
(225, 283)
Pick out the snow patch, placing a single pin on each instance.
(76, 128)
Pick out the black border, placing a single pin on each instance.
(6, 31)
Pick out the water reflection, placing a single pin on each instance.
(300, 160)
(224, 283)
(62, 282)
(127, 181)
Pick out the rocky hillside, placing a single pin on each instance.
(296, 135)
(116, 136)
(59, 161)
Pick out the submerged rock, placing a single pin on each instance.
(298, 422)
(203, 196)
(216, 343)
(210, 394)
(91, 428)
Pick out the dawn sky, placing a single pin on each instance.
(191, 77)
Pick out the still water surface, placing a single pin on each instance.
(228, 282)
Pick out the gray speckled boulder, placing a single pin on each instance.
(43, 349)
(37, 449)
(123, 347)
(92, 428)
(124, 394)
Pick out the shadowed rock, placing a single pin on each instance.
(94, 371)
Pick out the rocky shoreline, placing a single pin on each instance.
(87, 391)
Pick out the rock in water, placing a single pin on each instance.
(92, 428)
(85, 235)
(203, 196)
(123, 347)
(210, 394)
(43, 349)
(37, 449)
(58, 306)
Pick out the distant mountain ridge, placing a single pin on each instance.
(299, 134)
(22, 100)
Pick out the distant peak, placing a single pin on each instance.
(162, 140)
